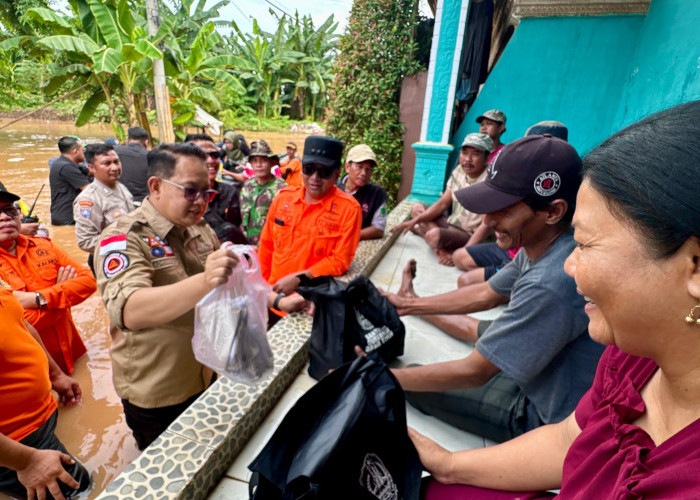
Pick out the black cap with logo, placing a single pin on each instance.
(536, 166)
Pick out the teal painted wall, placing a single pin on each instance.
(666, 67)
(594, 74)
(449, 27)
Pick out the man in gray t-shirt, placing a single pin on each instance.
(532, 364)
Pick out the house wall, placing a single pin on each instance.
(594, 74)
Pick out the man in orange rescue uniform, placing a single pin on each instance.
(313, 229)
(46, 281)
(32, 459)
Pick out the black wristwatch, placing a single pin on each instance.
(276, 303)
(40, 300)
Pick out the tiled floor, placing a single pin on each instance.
(424, 344)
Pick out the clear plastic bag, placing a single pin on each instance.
(230, 322)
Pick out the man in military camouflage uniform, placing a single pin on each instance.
(101, 202)
(153, 265)
(257, 193)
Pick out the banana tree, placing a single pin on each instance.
(313, 72)
(266, 57)
(106, 45)
(197, 73)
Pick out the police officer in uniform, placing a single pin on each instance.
(103, 201)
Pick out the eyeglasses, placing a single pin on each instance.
(323, 171)
(214, 154)
(10, 211)
(192, 194)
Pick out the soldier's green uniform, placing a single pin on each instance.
(255, 202)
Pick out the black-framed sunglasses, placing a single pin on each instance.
(324, 172)
(215, 154)
(10, 211)
(192, 194)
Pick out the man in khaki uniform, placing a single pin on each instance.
(153, 265)
(103, 201)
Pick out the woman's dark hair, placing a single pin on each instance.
(649, 173)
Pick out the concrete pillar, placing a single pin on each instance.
(433, 150)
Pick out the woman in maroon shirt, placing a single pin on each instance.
(636, 433)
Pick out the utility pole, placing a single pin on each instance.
(165, 122)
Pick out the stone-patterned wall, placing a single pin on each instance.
(188, 460)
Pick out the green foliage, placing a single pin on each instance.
(376, 53)
(252, 121)
(286, 72)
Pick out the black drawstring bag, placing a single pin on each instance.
(345, 438)
(347, 315)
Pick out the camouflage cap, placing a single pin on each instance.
(261, 148)
(482, 142)
(493, 114)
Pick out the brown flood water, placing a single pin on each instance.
(95, 432)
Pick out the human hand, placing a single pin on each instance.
(68, 389)
(399, 302)
(287, 284)
(43, 471)
(294, 302)
(404, 226)
(66, 273)
(29, 228)
(434, 457)
(219, 266)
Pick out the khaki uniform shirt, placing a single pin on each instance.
(460, 216)
(95, 208)
(153, 367)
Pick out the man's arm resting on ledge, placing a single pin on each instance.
(473, 371)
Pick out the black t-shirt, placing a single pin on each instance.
(224, 213)
(66, 181)
(370, 197)
(134, 169)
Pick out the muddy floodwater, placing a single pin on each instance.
(95, 431)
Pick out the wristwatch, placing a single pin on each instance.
(40, 300)
(276, 303)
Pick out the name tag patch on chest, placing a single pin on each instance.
(114, 264)
(85, 208)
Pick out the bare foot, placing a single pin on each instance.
(444, 257)
(407, 277)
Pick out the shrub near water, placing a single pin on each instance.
(376, 53)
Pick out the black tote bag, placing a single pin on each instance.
(346, 438)
(347, 315)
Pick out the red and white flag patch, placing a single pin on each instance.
(113, 243)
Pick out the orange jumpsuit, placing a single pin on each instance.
(34, 268)
(294, 178)
(321, 236)
(25, 388)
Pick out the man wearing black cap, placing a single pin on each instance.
(531, 365)
(313, 229)
(132, 156)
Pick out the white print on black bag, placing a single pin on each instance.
(375, 477)
(374, 335)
